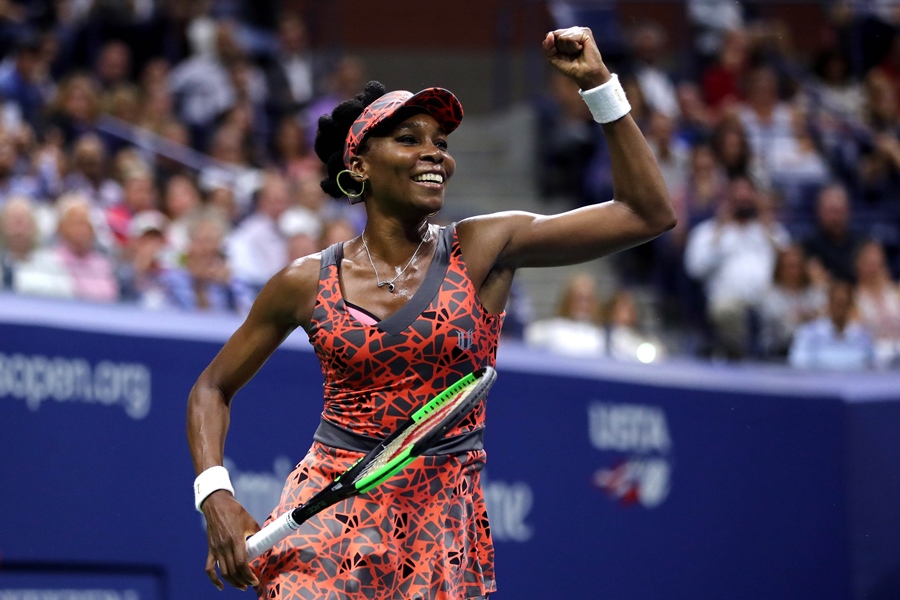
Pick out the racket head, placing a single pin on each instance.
(426, 427)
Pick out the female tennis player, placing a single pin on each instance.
(395, 315)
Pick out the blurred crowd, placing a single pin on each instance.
(160, 153)
(784, 168)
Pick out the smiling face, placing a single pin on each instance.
(409, 167)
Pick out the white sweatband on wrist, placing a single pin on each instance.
(607, 102)
(211, 480)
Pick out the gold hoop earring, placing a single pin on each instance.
(345, 192)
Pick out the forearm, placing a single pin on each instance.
(637, 180)
(208, 417)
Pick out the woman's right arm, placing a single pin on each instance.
(285, 303)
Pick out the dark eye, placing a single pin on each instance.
(442, 144)
(406, 139)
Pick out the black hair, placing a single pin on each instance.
(332, 133)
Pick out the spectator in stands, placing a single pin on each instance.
(113, 65)
(25, 266)
(699, 196)
(576, 329)
(157, 109)
(344, 80)
(681, 298)
(648, 41)
(834, 244)
(173, 132)
(671, 153)
(307, 193)
(733, 151)
(290, 74)
(879, 161)
(256, 248)
(139, 194)
(202, 86)
(204, 282)
(569, 139)
(248, 113)
(835, 90)
(232, 168)
(301, 230)
(92, 272)
(21, 84)
(90, 173)
(181, 201)
(123, 102)
(834, 342)
(142, 262)
(154, 75)
(721, 81)
(878, 302)
(711, 23)
(765, 116)
(696, 121)
(734, 254)
(889, 67)
(291, 153)
(795, 163)
(76, 108)
(338, 229)
(13, 183)
(794, 298)
(626, 340)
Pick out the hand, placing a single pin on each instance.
(574, 53)
(227, 527)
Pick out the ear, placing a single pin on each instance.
(357, 168)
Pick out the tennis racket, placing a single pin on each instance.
(422, 431)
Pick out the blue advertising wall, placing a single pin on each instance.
(603, 480)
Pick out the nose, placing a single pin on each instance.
(433, 153)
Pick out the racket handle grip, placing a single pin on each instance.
(270, 535)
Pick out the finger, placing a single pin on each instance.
(572, 40)
(549, 44)
(245, 571)
(229, 569)
(211, 571)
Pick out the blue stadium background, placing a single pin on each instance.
(691, 478)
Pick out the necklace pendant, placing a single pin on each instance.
(390, 287)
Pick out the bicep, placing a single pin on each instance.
(521, 239)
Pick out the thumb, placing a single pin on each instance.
(549, 45)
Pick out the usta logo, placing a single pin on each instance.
(640, 432)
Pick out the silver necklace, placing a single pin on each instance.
(390, 282)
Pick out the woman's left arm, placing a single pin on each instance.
(639, 212)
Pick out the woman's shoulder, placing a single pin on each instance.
(302, 271)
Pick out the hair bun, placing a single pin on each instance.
(332, 132)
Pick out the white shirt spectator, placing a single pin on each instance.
(735, 261)
(256, 250)
(817, 345)
(567, 337)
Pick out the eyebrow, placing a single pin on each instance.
(417, 124)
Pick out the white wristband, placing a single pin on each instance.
(607, 102)
(211, 480)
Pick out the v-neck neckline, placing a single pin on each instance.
(396, 322)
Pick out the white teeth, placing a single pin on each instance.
(429, 177)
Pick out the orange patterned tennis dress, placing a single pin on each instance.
(424, 534)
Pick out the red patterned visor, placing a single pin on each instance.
(437, 102)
